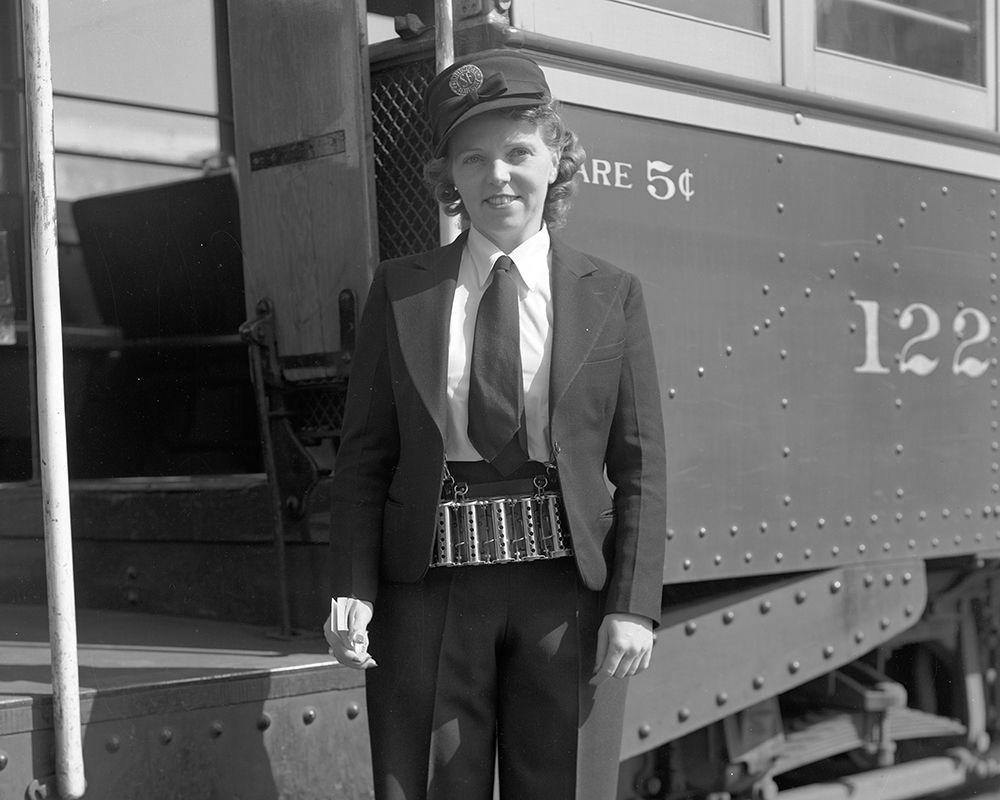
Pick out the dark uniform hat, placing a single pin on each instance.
(479, 83)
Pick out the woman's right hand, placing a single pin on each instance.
(346, 632)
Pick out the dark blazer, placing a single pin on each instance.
(604, 408)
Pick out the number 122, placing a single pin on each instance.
(918, 363)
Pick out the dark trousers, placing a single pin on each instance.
(484, 663)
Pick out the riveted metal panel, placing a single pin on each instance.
(802, 431)
(294, 733)
(709, 661)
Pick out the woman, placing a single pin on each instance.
(512, 369)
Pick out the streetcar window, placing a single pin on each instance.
(750, 15)
(136, 94)
(940, 37)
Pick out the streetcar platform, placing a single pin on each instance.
(188, 704)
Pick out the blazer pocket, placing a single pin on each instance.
(602, 354)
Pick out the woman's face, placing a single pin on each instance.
(502, 169)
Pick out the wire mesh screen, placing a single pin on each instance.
(407, 214)
(317, 411)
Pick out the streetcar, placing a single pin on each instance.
(809, 193)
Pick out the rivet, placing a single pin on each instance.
(763, 527)
(922, 515)
(967, 512)
(781, 311)
(781, 257)
(721, 698)
(701, 372)
(884, 623)
(792, 524)
(835, 587)
(687, 563)
(691, 628)
(808, 292)
(786, 451)
(899, 449)
(263, 722)
(767, 322)
(907, 577)
(684, 714)
(765, 606)
(874, 519)
(800, 597)
(734, 529)
(756, 330)
(852, 295)
(935, 542)
(216, 729)
(835, 550)
(912, 544)
(833, 273)
(758, 682)
(780, 157)
(166, 736)
(923, 206)
(859, 636)
(112, 745)
(748, 556)
(993, 213)
(979, 537)
(886, 547)
(895, 266)
(899, 402)
(353, 710)
(820, 522)
(888, 579)
(729, 349)
(779, 557)
(717, 559)
(879, 238)
(702, 532)
(781, 208)
(848, 519)
(671, 533)
(787, 500)
(644, 731)
(799, 119)
(958, 539)
(309, 716)
(807, 553)
(945, 513)
(783, 353)
(908, 611)
(902, 222)
(856, 255)
(794, 667)
(671, 392)
(869, 579)
(828, 651)
(131, 573)
(944, 190)
(728, 617)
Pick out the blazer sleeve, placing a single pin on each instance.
(636, 466)
(367, 456)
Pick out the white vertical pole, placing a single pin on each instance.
(51, 400)
(444, 56)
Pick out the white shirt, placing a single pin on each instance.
(534, 305)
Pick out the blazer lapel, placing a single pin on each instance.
(580, 303)
(421, 300)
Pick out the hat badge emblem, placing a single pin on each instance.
(466, 80)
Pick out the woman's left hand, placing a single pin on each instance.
(624, 647)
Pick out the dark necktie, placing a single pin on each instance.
(496, 393)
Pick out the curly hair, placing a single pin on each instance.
(556, 136)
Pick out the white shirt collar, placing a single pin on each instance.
(531, 258)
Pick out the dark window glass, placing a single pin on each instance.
(940, 37)
(748, 14)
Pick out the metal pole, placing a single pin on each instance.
(444, 56)
(51, 401)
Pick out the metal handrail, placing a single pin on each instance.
(112, 101)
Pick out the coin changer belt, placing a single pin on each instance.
(521, 526)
